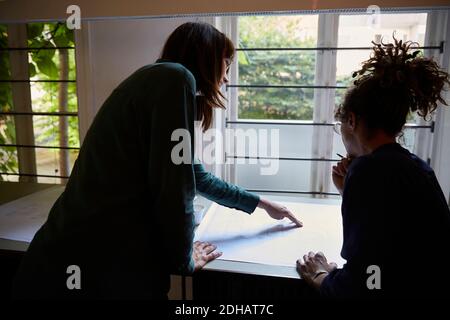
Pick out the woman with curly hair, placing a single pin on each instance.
(396, 222)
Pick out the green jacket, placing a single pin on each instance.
(126, 215)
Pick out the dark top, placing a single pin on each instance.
(394, 216)
(126, 215)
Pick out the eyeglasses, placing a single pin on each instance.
(228, 64)
(337, 127)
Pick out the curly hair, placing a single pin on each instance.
(393, 82)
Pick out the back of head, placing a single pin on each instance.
(201, 48)
(395, 81)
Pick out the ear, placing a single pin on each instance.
(352, 121)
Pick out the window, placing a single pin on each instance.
(291, 73)
(270, 76)
(354, 32)
(39, 138)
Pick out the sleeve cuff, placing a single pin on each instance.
(325, 286)
(248, 202)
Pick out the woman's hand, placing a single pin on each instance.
(202, 253)
(314, 268)
(277, 211)
(339, 172)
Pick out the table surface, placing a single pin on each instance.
(217, 265)
(21, 218)
(10, 191)
(267, 269)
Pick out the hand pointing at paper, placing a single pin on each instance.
(204, 252)
(278, 212)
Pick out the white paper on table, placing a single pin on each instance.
(21, 219)
(257, 238)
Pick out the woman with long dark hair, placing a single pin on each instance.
(125, 220)
(396, 221)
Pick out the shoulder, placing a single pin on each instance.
(174, 72)
(400, 161)
(159, 77)
(387, 163)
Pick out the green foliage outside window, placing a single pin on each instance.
(279, 68)
(8, 157)
(43, 65)
(275, 67)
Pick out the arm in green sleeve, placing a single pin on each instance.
(222, 192)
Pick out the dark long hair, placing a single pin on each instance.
(392, 83)
(201, 48)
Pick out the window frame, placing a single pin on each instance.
(426, 143)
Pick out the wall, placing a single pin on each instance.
(19, 10)
(108, 51)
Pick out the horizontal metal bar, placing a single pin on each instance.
(295, 192)
(32, 48)
(38, 80)
(408, 125)
(56, 114)
(38, 147)
(32, 175)
(283, 158)
(279, 123)
(416, 126)
(275, 86)
(440, 47)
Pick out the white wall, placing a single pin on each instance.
(440, 158)
(109, 51)
(443, 168)
(441, 147)
(28, 10)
